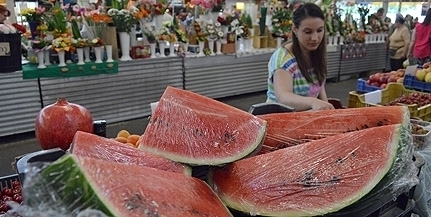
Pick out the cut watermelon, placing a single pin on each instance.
(190, 128)
(288, 129)
(90, 145)
(75, 183)
(314, 178)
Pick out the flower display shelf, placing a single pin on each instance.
(71, 70)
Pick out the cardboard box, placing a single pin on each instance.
(228, 48)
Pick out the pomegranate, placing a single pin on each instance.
(56, 124)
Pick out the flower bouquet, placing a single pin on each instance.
(38, 44)
(33, 14)
(281, 22)
(151, 38)
(62, 44)
(123, 19)
(96, 42)
(159, 8)
(56, 21)
(200, 35)
(219, 33)
(210, 31)
(95, 22)
(79, 42)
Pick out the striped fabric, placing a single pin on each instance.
(283, 59)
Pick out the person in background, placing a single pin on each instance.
(409, 22)
(297, 69)
(398, 43)
(420, 45)
(4, 14)
(380, 14)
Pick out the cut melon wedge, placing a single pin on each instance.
(314, 178)
(289, 129)
(190, 128)
(75, 183)
(90, 145)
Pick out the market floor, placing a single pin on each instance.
(17, 145)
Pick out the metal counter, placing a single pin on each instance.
(122, 96)
(19, 103)
(222, 76)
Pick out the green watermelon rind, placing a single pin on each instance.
(239, 204)
(260, 135)
(61, 179)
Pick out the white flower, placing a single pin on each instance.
(275, 20)
(217, 24)
(220, 34)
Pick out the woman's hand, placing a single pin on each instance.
(318, 104)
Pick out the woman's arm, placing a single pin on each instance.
(283, 87)
(406, 38)
(322, 94)
(412, 44)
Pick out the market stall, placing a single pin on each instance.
(118, 97)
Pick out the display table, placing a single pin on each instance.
(71, 70)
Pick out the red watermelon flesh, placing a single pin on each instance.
(288, 129)
(190, 128)
(123, 190)
(90, 145)
(314, 178)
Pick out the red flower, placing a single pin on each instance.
(19, 28)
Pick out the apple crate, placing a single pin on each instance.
(363, 87)
(6, 181)
(420, 141)
(390, 93)
(411, 82)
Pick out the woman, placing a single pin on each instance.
(420, 45)
(297, 69)
(4, 14)
(399, 42)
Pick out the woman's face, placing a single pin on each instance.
(3, 16)
(310, 33)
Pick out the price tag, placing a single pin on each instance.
(4, 49)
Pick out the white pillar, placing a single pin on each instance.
(10, 4)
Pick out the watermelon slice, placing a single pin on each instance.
(75, 183)
(314, 178)
(288, 129)
(190, 128)
(90, 145)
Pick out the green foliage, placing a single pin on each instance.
(75, 29)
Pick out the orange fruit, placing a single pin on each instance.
(123, 133)
(133, 139)
(121, 139)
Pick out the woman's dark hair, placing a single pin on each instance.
(427, 19)
(318, 56)
(4, 9)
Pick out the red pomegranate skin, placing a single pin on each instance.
(56, 124)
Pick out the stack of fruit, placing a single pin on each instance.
(125, 137)
(382, 79)
(10, 193)
(420, 99)
(424, 73)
